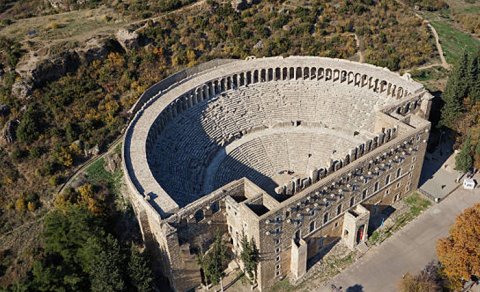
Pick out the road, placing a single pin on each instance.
(408, 250)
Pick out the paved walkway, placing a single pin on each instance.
(409, 250)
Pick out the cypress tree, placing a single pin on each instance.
(455, 93)
(249, 257)
(474, 78)
(213, 261)
(464, 160)
(140, 274)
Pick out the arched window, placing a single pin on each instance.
(312, 226)
(325, 218)
(215, 207)
(199, 216)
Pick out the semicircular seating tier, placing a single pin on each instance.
(268, 120)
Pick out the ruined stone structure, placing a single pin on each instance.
(296, 153)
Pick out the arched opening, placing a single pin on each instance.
(199, 216)
(328, 74)
(306, 73)
(298, 73)
(321, 73)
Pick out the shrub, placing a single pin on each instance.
(32, 206)
(20, 205)
(54, 180)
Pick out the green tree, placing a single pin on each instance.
(464, 159)
(249, 257)
(454, 94)
(213, 261)
(140, 274)
(474, 77)
(30, 125)
(65, 233)
(102, 259)
(78, 255)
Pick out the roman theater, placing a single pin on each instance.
(296, 153)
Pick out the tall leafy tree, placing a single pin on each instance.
(140, 274)
(454, 93)
(102, 259)
(464, 159)
(65, 233)
(79, 255)
(213, 262)
(459, 253)
(249, 257)
(474, 78)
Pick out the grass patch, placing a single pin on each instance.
(341, 263)
(416, 205)
(98, 175)
(454, 42)
(468, 9)
(283, 286)
(434, 73)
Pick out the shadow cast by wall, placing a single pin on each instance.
(189, 150)
(355, 288)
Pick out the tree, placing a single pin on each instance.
(140, 274)
(464, 160)
(428, 280)
(30, 125)
(454, 94)
(102, 259)
(65, 234)
(474, 77)
(477, 155)
(213, 261)
(20, 204)
(249, 257)
(459, 253)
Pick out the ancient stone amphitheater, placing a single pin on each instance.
(279, 125)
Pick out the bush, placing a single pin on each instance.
(30, 126)
(428, 280)
(32, 206)
(20, 205)
(54, 180)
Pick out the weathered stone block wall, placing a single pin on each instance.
(376, 180)
(315, 214)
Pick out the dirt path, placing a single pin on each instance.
(437, 43)
(443, 61)
(360, 53)
(181, 9)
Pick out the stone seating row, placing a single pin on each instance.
(184, 147)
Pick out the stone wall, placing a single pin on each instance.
(180, 94)
(310, 219)
(376, 180)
